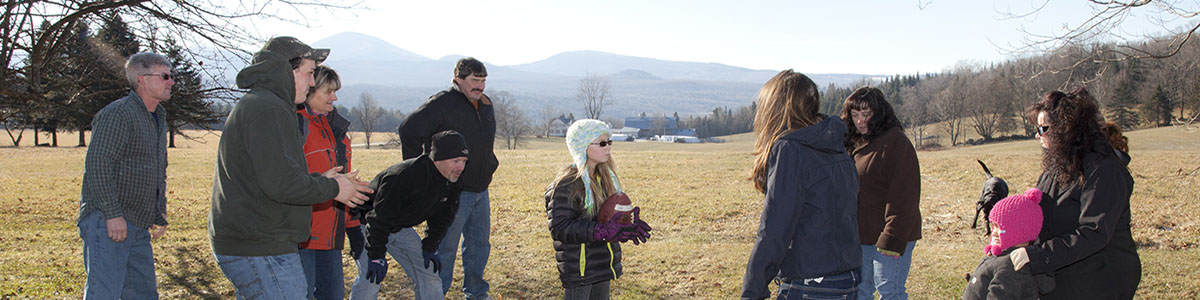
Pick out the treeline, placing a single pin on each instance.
(989, 100)
(84, 70)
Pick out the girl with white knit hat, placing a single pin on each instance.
(589, 249)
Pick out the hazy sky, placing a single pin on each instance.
(868, 37)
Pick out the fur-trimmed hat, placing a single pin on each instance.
(1018, 220)
(579, 136)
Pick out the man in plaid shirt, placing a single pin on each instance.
(123, 205)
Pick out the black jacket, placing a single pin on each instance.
(809, 225)
(571, 230)
(995, 278)
(450, 110)
(1085, 242)
(407, 194)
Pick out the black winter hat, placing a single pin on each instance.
(448, 144)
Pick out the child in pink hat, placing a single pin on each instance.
(1016, 222)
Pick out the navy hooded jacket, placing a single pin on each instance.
(809, 225)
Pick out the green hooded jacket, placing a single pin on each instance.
(262, 191)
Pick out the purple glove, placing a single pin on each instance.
(610, 231)
(639, 232)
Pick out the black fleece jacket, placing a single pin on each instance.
(450, 110)
(407, 194)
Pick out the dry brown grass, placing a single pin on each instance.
(703, 211)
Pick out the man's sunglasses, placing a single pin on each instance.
(165, 76)
(603, 143)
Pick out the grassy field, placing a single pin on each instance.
(703, 211)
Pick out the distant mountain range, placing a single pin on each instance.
(403, 80)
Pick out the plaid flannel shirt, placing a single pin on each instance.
(125, 171)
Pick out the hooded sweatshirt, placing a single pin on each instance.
(262, 191)
(808, 226)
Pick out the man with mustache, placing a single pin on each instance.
(465, 109)
(421, 189)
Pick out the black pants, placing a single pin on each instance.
(597, 291)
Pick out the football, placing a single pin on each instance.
(618, 202)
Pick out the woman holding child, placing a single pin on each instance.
(1085, 241)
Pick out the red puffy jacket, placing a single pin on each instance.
(326, 145)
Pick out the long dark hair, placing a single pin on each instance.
(1074, 127)
(883, 117)
(786, 102)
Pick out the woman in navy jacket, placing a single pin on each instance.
(808, 235)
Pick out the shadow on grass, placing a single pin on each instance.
(191, 272)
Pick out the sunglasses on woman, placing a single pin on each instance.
(1043, 129)
(603, 143)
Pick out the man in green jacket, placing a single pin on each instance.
(262, 191)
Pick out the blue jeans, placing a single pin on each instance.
(114, 270)
(323, 270)
(474, 222)
(885, 274)
(840, 286)
(264, 277)
(405, 248)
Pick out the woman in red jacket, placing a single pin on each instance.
(326, 146)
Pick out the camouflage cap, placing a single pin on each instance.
(291, 47)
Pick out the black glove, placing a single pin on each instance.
(377, 270)
(432, 256)
(357, 241)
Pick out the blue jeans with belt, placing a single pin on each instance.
(839, 286)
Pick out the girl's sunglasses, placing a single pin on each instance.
(603, 143)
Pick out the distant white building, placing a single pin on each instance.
(627, 131)
(559, 125)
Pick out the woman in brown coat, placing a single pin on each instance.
(889, 216)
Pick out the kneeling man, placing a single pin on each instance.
(420, 189)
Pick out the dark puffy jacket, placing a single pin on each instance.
(406, 194)
(1085, 240)
(995, 278)
(809, 227)
(450, 110)
(571, 230)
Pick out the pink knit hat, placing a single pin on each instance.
(1018, 219)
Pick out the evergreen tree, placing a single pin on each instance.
(1157, 109)
(1121, 108)
(191, 102)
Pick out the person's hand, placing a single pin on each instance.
(351, 192)
(116, 229)
(377, 270)
(1019, 258)
(157, 231)
(640, 230)
(889, 253)
(631, 234)
(610, 231)
(642, 226)
(332, 172)
(357, 241)
(432, 257)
